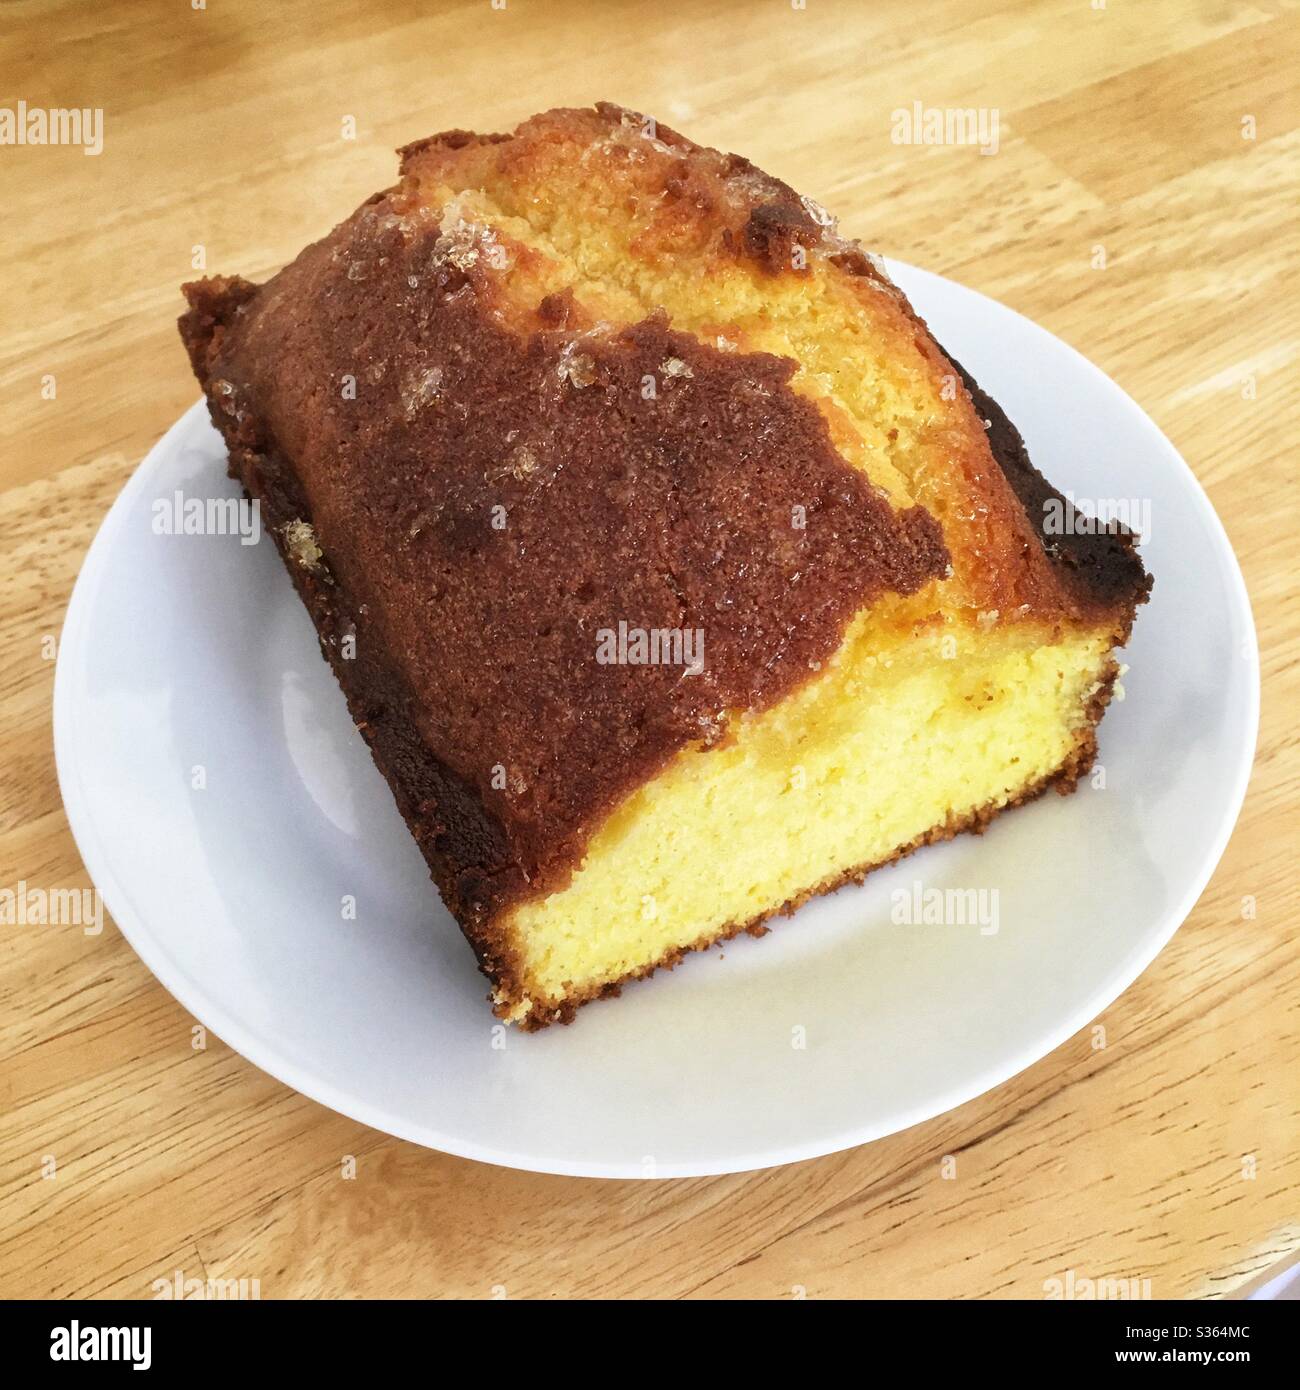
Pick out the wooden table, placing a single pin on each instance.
(1125, 209)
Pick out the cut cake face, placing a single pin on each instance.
(670, 569)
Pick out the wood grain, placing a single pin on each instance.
(1121, 128)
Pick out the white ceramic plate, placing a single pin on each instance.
(181, 651)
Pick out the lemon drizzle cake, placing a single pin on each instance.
(671, 571)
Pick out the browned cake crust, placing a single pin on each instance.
(1098, 560)
(474, 524)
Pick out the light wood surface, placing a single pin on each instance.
(1119, 128)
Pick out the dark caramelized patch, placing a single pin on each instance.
(555, 310)
(1097, 562)
(489, 503)
(772, 233)
(449, 139)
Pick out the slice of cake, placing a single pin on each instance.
(671, 571)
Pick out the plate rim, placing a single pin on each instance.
(213, 1015)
